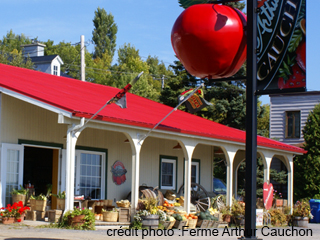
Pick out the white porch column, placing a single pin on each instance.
(266, 166)
(230, 155)
(290, 182)
(136, 148)
(72, 137)
(187, 151)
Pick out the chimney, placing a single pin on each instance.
(34, 49)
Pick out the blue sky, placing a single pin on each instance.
(146, 24)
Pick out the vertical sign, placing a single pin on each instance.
(281, 46)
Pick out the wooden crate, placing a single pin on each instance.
(202, 223)
(168, 224)
(124, 214)
(31, 215)
(54, 215)
(40, 215)
(180, 224)
(212, 224)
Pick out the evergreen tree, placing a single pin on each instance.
(307, 166)
(104, 33)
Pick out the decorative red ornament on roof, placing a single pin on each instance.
(210, 40)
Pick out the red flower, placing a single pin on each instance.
(18, 220)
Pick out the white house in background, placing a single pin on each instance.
(44, 139)
(288, 115)
(49, 64)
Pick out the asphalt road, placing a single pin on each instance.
(29, 231)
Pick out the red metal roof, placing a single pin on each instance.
(83, 99)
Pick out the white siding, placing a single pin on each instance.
(21, 120)
(280, 104)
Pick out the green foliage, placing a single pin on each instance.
(278, 218)
(21, 191)
(11, 50)
(104, 33)
(89, 219)
(61, 195)
(307, 166)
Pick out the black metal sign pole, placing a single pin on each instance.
(251, 122)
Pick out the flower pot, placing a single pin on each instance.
(227, 218)
(76, 220)
(21, 218)
(279, 202)
(8, 220)
(151, 221)
(239, 220)
(300, 222)
(61, 203)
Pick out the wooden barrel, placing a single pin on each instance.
(151, 221)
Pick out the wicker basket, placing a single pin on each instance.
(192, 223)
(168, 224)
(33, 204)
(110, 216)
(61, 203)
(124, 205)
(41, 205)
(19, 197)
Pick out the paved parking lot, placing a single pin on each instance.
(28, 231)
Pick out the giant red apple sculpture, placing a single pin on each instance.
(210, 40)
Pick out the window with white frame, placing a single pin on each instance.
(90, 174)
(55, 70)
(195, 171)
(168, 173)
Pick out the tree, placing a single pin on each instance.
(307, 166)
(129, 66)
(104, 33)
(11, 50)
(70, 55)
(264, 121)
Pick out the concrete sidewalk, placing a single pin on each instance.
(36, 230)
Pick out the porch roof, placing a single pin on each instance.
(83, 99)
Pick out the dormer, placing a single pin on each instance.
(49, 64)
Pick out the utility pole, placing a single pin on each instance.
(83, 64)
(162, 81)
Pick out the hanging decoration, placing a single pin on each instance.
(118, 173)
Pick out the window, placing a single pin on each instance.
(195, 171)
(55, 70)
(168, 173)
(293, 124)
(89, 174)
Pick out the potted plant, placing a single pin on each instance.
(19, 195)
(237, 211)
(149, 215)
(61, 196)
(13, 213)
(278, 218)
(301, 214)
(226, 214)
(38, 203)
(277, 198)
(79, 219)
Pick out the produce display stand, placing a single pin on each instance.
(180, 224)
(168, 224)
(202, 223)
